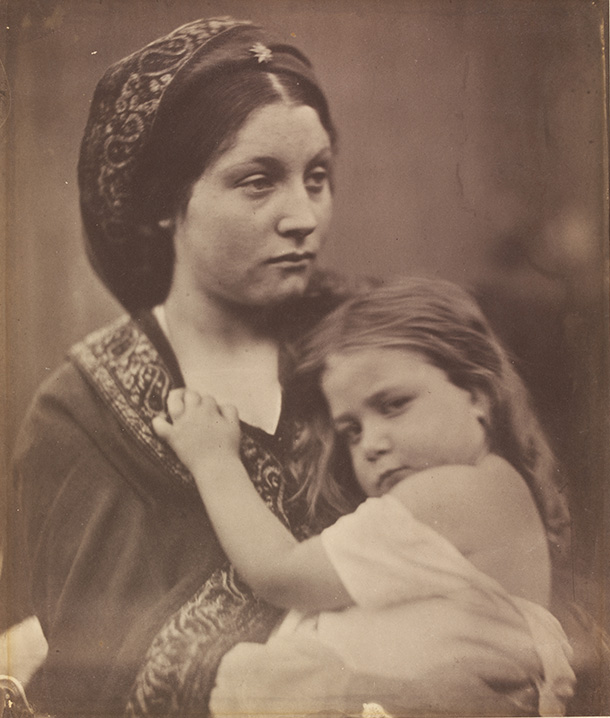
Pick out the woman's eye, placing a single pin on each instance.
(317, 180)
(256, 184)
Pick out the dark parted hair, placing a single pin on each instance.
(188, 135)
(443, 323)
(158, 119)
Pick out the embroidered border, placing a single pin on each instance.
(180, 667)
(130, 376)
(178, 671)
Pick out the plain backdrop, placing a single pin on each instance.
(472, 146)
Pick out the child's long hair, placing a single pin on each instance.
(444, 323)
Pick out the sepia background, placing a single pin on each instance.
(472, 146)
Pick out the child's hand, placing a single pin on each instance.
(204, 435)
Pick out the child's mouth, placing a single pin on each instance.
(391, 477)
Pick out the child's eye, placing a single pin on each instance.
(317, 180)
(350, 433)
(395, 405)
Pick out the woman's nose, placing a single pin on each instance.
(298, 218)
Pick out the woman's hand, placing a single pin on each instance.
(204, 435)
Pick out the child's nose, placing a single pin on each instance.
(376, 443)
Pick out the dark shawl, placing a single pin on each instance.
(110, 545)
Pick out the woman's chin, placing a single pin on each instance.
(287, 288)
(268, 298)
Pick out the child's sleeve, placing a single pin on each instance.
(384, 556)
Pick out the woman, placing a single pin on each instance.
(205, 191)
(205, 178)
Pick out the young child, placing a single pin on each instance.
(438, 584)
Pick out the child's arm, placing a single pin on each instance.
(487, 512)
(280, 570)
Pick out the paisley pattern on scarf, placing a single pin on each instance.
(178, 671)
(121, 165)
(121, 119)
(130, 375)
(180, 666)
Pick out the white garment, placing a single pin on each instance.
(428, 633)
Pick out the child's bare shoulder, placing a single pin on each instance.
(498, 480)
(491, 480)
(473, 504)
(489, 514)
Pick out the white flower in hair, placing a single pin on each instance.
(261, 52)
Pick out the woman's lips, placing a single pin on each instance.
(293, 258)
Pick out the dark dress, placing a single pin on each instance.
(110, 545)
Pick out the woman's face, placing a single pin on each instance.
(257, 216)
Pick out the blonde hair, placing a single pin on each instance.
(444, 323)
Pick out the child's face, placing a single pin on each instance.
(399, 415)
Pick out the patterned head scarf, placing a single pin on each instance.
(135, 261)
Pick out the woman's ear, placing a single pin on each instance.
(168, 224)
(481, 406)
